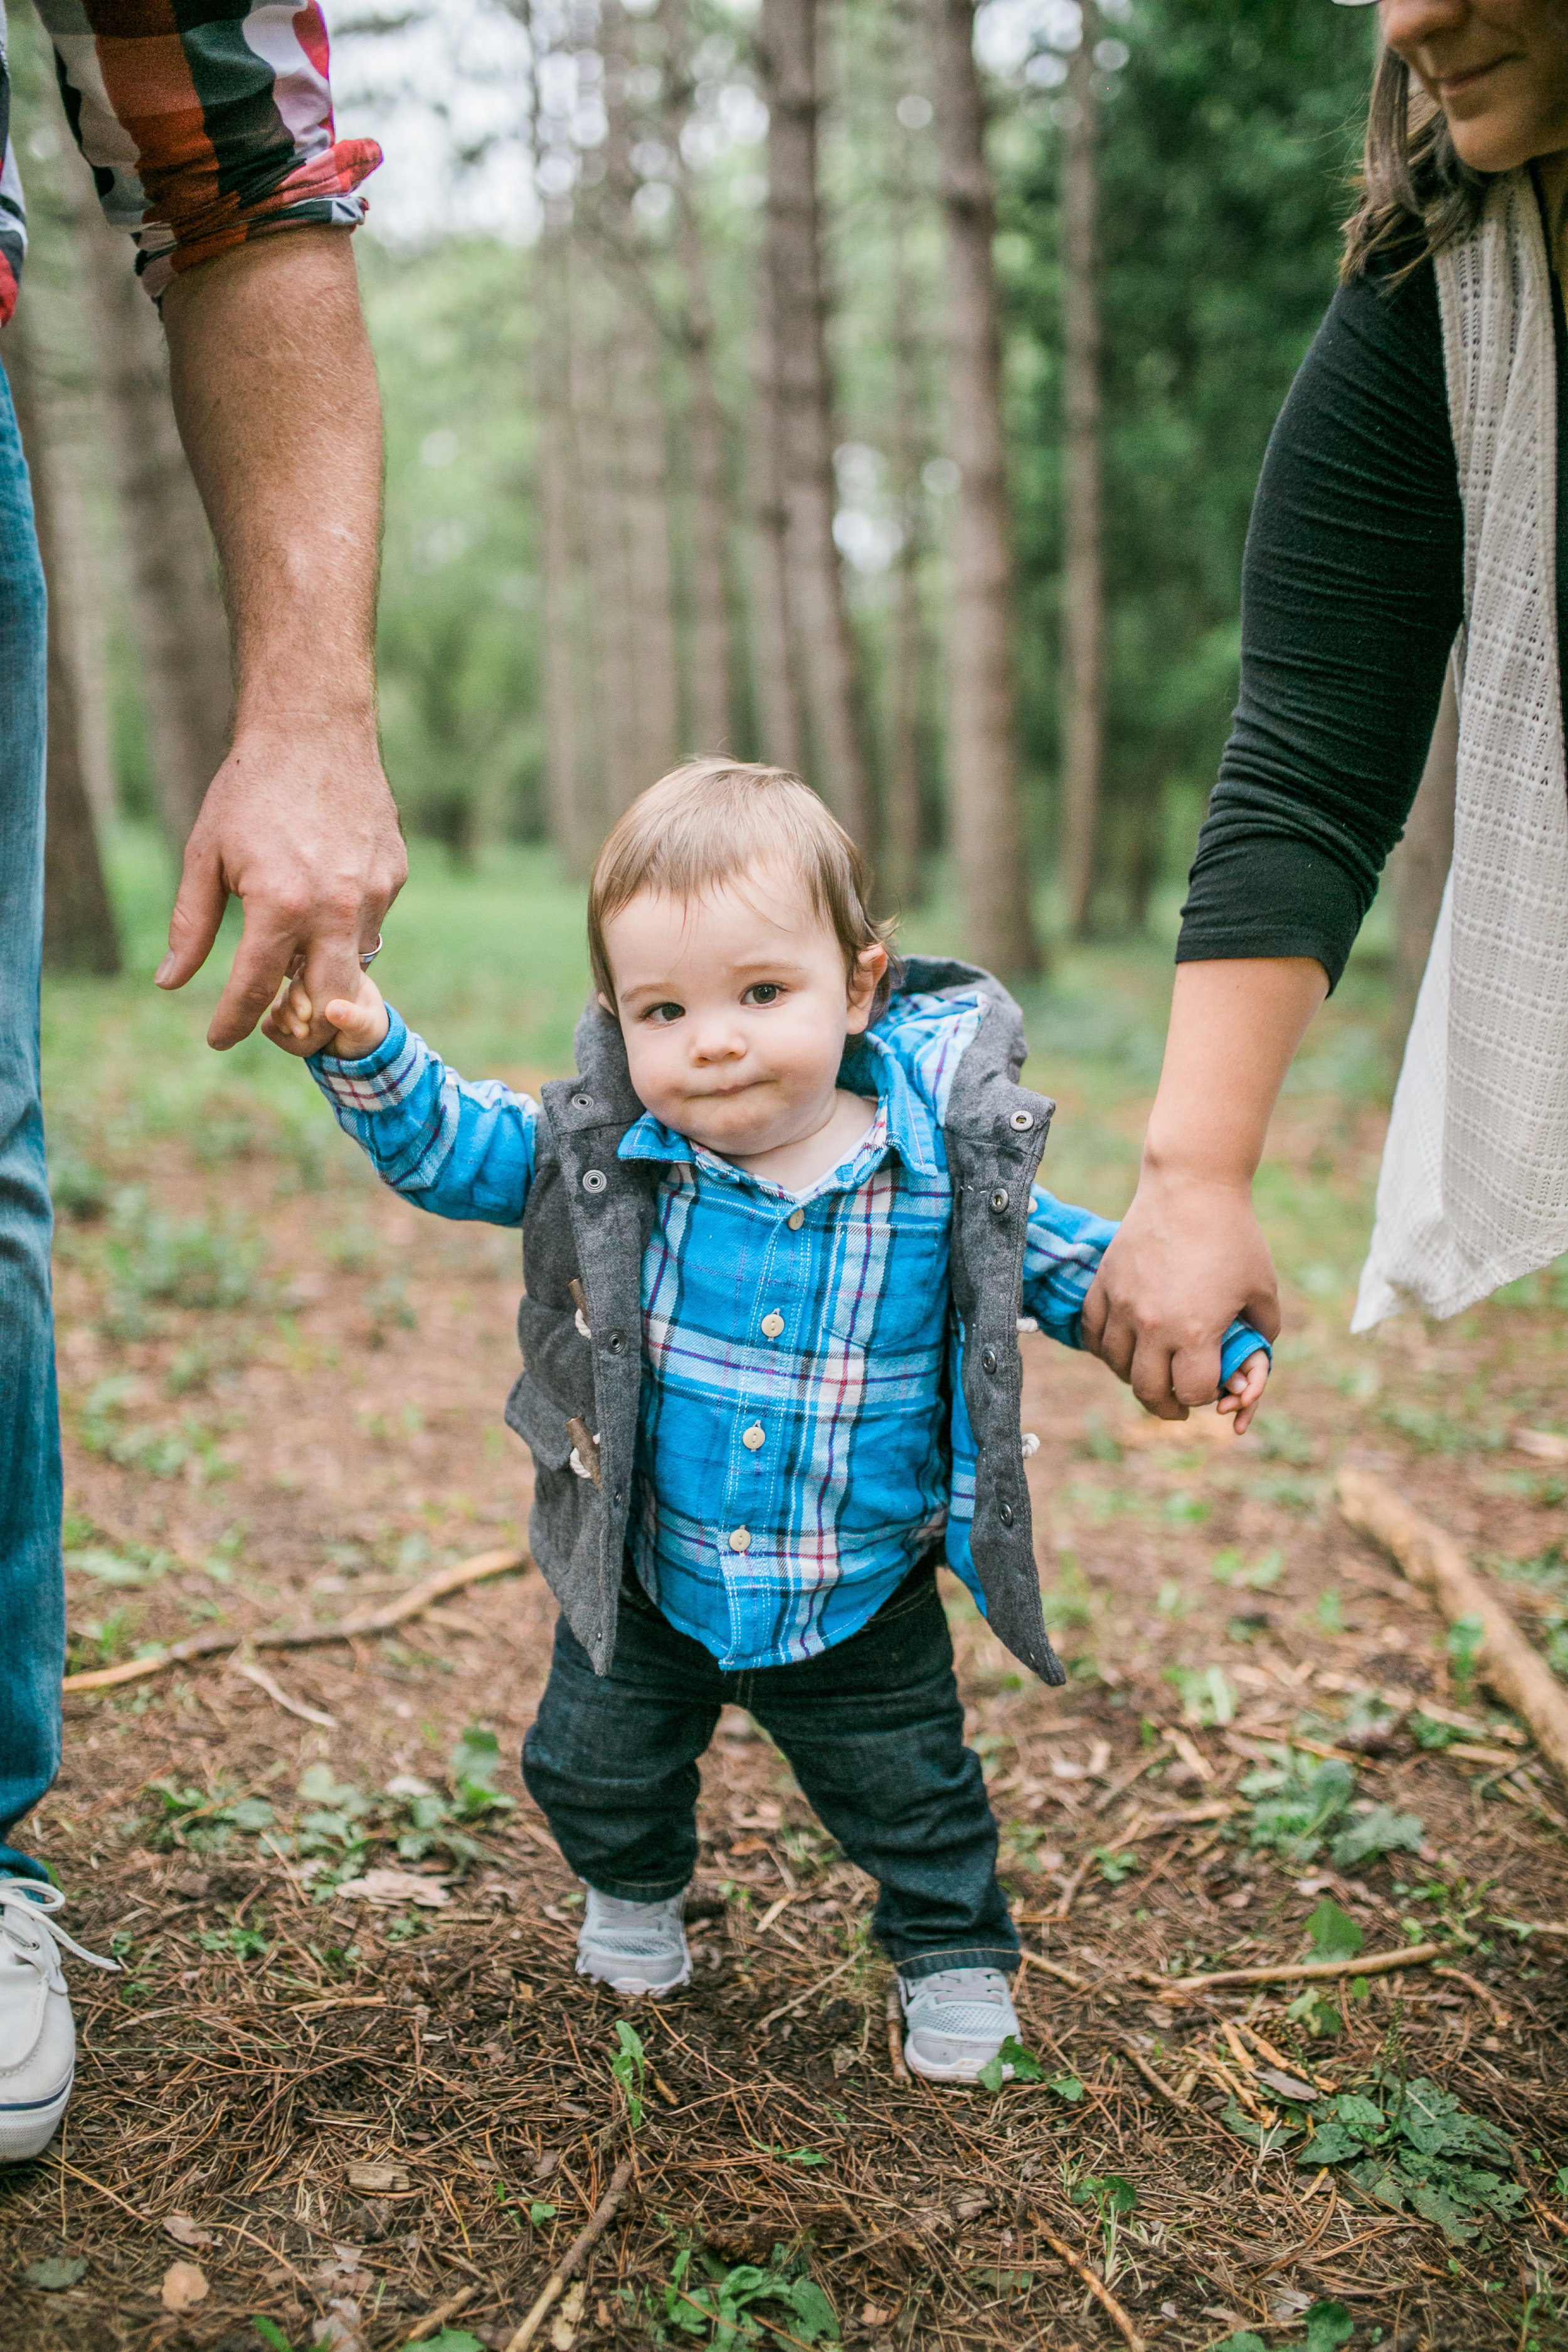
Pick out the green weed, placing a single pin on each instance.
(727, 2305)
(1295, 1804)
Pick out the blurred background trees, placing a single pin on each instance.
(873, 385)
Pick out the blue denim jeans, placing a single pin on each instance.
(873, 1728)
(32, 1594)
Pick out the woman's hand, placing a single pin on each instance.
(1190, 1257)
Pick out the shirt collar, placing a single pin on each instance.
(869, 1067)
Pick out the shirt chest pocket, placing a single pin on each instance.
(884, 1280)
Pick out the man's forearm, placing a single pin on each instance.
(1235, 1027)
(275, 394)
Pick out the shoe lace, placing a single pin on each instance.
(37, 1904)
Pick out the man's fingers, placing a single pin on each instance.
(194, 921)
(261, 964)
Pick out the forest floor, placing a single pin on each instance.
(282, 1393)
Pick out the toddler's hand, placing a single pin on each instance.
(361, 1022)
(1243, 1393)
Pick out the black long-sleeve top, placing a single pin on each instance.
(1351, 595)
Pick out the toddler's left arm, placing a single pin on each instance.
(1061, 1257)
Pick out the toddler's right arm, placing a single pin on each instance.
(458, 1150)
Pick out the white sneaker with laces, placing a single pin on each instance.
(634, 1947)
(37, 2036)
(957, 2022)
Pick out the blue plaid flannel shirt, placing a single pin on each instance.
(802, 1437)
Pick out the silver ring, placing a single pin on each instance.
(365, 961)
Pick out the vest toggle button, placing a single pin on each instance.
(773, 1324)
(595, 1180)
(740, 1539)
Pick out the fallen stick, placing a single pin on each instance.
(1500, 2017)
(1156, 2081)
(1096, 2286)
(278, 1696)
(1436, 1565)
(1370, 1964)
(305, 1637)
(582, 2245)
(442, 2312)
(895, 2036)
(1052, 1968)
(788, 2008)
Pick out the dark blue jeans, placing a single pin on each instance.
(32, 1598)
(873, 1728)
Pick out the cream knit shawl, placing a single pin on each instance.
(1474, 1187)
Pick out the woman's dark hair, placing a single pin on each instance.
(1417, 197)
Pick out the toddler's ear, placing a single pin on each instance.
(870, 965)
(605, 1006)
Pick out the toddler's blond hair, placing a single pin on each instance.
(708, 821)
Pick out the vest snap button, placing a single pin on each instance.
(1023, 1121)
(988, 1359)
(616, 1342)
(999, 1200)
(595, 1180)
(582, 1102)
(1005, 1514)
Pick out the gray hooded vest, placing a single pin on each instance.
(589, 1218)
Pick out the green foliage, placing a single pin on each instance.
(1115, 1869)
(245, 1943)
(1328, 2326)
(1427, 1733)
(1244, 2341)
(1335, 1935)
(445, 2339)
(727, 2305)
(629, 2068)
(1295, 1802)
(1208, 1692)
(1465, 1641)
(270, 2332)
(1229, 1567)
(57, 2273)
(1408, 2146)
(475, 1761)
(1026, 2067)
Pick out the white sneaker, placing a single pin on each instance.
(634, 1947)
(38, 2037)
(957, 2020)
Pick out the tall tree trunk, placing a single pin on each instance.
(572, 823)
(1418, 869)
(1083, 584)
(599, 469)
(907, 667)
(708, 715)
(775, 642)
(987, 829)
(79, 933)
(180, 632)
(796, 294)
(650, 584)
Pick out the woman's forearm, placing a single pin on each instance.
(1235, 1027)
(1190, 1257)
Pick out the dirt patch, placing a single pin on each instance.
(282, 1401)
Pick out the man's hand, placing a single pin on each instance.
(1189, 1258)
(275, 394)
(304, 831)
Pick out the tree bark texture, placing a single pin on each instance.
(1083, 584)
(908, 661)
(80, 932)
(986, 820)
(775, 666)
(180, 632)
(795, 293)
(573, 824)
(1418, 869)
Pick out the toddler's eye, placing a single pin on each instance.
(762, 992)
(663, 1014)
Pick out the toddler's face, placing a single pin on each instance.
(734, 1010)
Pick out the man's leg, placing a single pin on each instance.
(874, 1730)
(32, 1598)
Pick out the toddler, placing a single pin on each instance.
(777, 1236)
